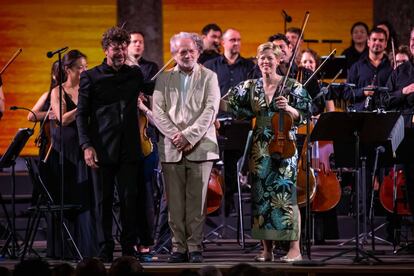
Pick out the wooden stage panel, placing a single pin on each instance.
(227, 253)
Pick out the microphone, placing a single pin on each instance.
(380, 149)
(24, 108)
(324, 91)
(287, 17)
(50, 54)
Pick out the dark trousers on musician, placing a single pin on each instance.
(146, 198)
(128, 177)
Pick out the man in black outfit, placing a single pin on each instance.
(211, 35)
(231, 69)
(109, 136)
(371, 70)
(146, 217)
(401, 87)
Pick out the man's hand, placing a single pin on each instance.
(90, 157)
(408, 89)
(180, 141)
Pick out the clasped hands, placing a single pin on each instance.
(181, 142)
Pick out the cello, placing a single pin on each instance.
(323, 185)
(394, 190)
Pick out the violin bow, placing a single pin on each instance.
(11, 60)
(319, 67)
(162, 69)
(393, 53)
(292, 60)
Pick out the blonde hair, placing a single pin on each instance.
(269, 46)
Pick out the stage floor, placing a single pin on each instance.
(226, 253)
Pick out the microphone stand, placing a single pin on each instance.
(61, 158)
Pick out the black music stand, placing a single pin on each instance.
(333, 66)
(364, 131)
(233, 137)
(6, 161)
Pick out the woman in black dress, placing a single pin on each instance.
(77, 188)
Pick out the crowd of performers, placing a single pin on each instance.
(106, 109)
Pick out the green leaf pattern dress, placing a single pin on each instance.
(274, 204)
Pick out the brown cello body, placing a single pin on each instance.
(387, 193)
(301, 178)
(214, 191)
(282, 146)
(328, 189)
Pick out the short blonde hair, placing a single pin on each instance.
(269, 46)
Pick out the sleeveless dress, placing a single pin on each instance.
(77, 191)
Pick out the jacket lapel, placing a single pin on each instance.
(194, 82)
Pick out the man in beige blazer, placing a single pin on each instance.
(185, 104)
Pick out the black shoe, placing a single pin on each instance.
(196, 257)
(178, 257)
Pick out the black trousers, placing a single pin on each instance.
(129, 178)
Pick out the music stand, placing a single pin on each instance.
(6, 161)
(364, 130)
(333, 66)
(232, 140)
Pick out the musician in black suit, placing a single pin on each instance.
(109, 136)
(401, 87)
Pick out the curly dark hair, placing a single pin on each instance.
(115, 35)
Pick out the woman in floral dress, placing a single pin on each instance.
(276, 214)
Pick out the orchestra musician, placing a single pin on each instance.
(358, 48)
(402, 55)
(148, 68)
(401, 87)
(77, 188)
(275, 211)
(211, 35)
(370, 71)
(231, 68)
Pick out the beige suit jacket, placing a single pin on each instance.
(195, 119)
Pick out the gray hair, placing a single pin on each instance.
(182, 35)
(199, 42)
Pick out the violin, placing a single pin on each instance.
(388, 193)
(282, 146)
(146, 144)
